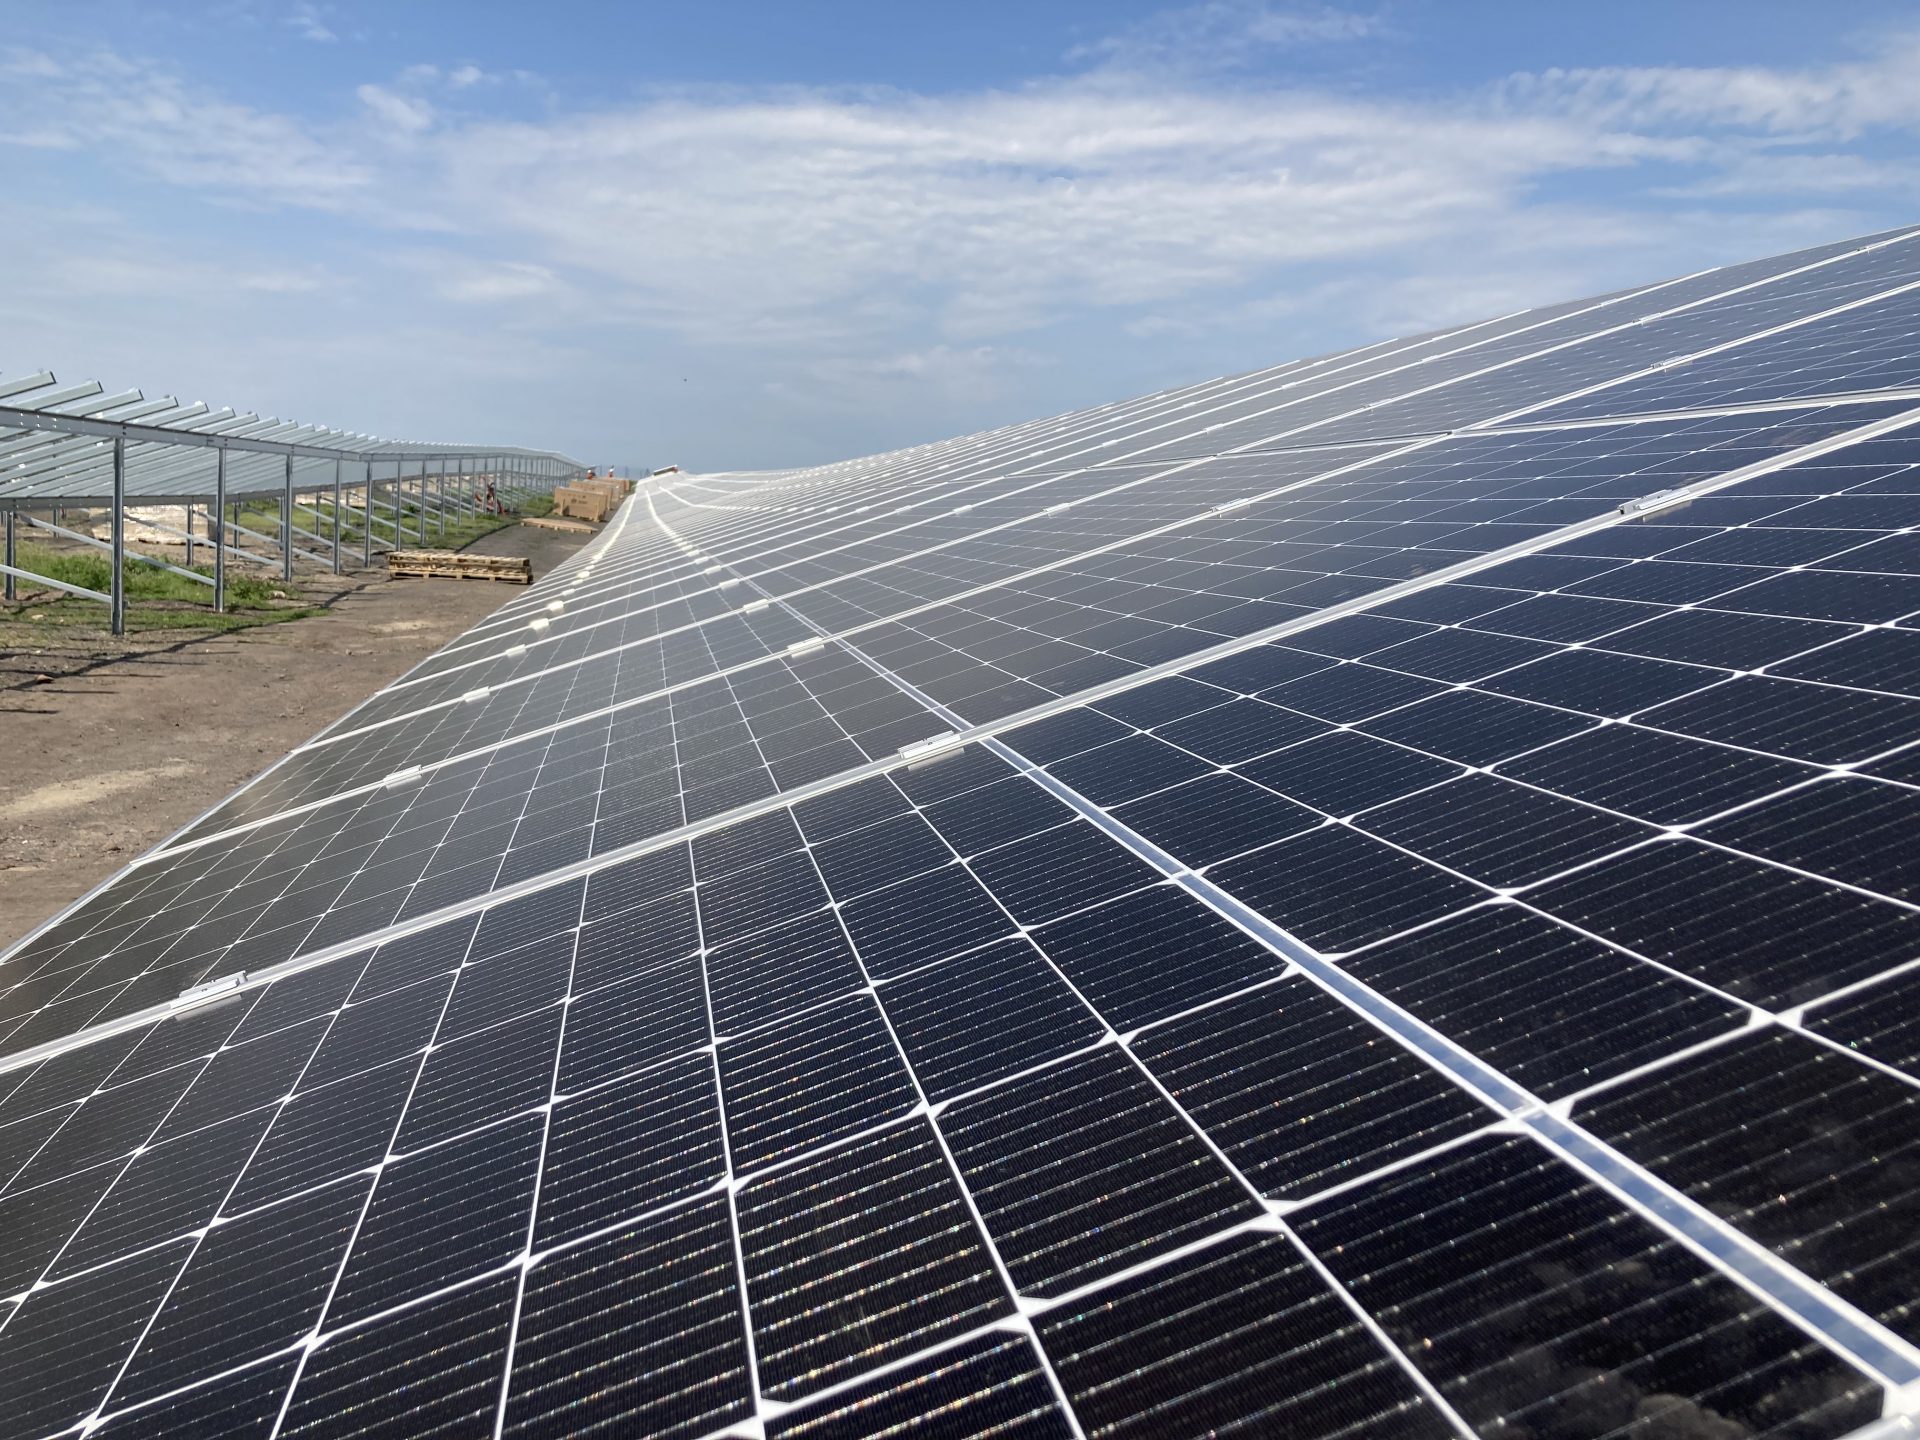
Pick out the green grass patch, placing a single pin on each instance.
(36, 623)
(94, 571)
(156, 599)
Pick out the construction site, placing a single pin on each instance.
(189, 591)
(1259, 782)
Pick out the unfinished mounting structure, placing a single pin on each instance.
(76, 445)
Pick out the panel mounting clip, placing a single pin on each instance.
(208, 989)
(920, 749)
(1658, 500)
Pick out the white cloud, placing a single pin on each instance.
(42, 138)
(405, 113)
(1764, 174)
(472, 284)
(136, 113)
(23, 64)
(989, 214)
(1226, 34)
(309, 22)
(865, 245)
(1838, 101)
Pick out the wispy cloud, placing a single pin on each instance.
(1828, 102)
(470, 283)
(875, 242)
(133, 112)
(310, 22)
(407, 114)
(1226, 34)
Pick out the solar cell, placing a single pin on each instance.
(1553, 1260)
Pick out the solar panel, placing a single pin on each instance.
(1366, 898)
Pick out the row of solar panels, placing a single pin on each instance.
(611, 722)
(1417, 952)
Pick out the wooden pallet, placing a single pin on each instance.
(458, 565)
(551, 522)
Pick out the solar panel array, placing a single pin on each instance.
(1370, 898)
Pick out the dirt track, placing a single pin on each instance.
(130, 739)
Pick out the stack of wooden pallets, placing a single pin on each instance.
(458, 565)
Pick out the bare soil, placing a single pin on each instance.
(107, 746)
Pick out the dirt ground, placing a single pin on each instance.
(127, 740)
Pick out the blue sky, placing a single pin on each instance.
(732, 234)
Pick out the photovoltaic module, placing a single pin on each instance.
(1372, 898)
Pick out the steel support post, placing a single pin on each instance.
(366, 521)
(286, 526)
(420, 511)
(13, 553)
(337, 464)
(119, 529)
(217, 528)
(189, 535)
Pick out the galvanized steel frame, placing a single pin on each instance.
(71, 449)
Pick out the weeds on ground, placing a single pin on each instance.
(161, 600)
(156, 599)
(94, 571)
